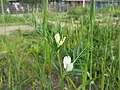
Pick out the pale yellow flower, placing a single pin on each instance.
(58, 40)
(67, 63)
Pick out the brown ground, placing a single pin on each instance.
(7, 29)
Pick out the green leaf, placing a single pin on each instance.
(85, 83)
(75, 72)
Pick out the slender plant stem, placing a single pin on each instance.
(45, 5)
(59, 61)
(103, 78)
(61, 72)
(91, 33)
(119, 64)
(71, 81)
(92, 17)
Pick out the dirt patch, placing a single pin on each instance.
(8, 29)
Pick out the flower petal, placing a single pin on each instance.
(69, 67)
(66, 61)
(57, 38)
(62, 41)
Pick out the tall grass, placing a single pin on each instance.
(45, 10)
(32, 60)
(2, 7)
(3, 14)
(91, 31)
(119, 62)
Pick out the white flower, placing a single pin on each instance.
(58, 41)
(69, 67)
(92, 82)
(57, 38)
(67, 63)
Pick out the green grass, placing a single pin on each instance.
(16, 20)
(31, 60)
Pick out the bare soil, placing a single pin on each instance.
(6, 30)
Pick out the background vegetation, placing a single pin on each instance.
(31, 60)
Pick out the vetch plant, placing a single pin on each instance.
(58, 40)
(67, 63)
